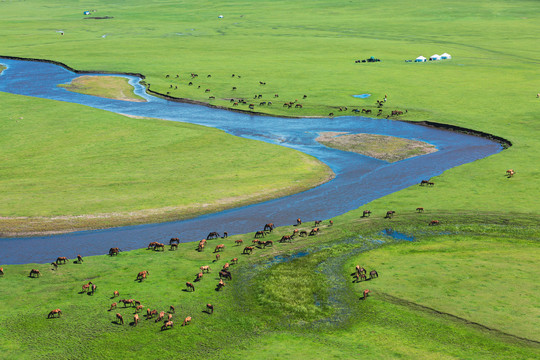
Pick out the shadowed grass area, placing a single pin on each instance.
(111, 87)
(286, 301)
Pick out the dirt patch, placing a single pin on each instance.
(382, 147)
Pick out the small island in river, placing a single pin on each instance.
(110, 87)
(382, 147)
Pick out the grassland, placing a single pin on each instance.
(388, 148)
(111, 87)
(477, 266)
(284, 307)
(111, 170)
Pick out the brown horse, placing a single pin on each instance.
(113, 306)
(248, 250)
(116, 293)
(424, 182)
(187, 320)
(199, 277)
(225, 274)
(1, 271)
(119, 318)
(331, 223)
(226, 266)
(94, 288)
(239, 241)
(172, 309)
(35, 272)
(142, 275)
(217, 257)
(360, 270)
(135, 319)
(54, 312)
(303, 233)
(234, 261)
(167, 325)
(114, 251)
(219, 247)
(313, 231)
(205, 268)
(212, 235)
(259, 234)
(434, 222)
(210, 308)
(220, 285)
(79, 259)
(174, 247)
(389, 214)
(420, 209)
(267, 243)
(318, 222)
(152, 245)
(269, 227)
(150, 313)
(139, 308)
(174, 241)
(85, 287)
(360, 277)
(55, 266)
(510, 173)
(190, 286)
(160, 317)
(373, 274)
(366, 213)
(61, 260)
(159, 246)
(298, 222)
(366, 292)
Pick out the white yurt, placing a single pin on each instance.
(435, 57)
(446, 56)
(420, 59)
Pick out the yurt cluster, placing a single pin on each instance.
(435, 57)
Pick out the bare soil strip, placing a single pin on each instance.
(110, 87)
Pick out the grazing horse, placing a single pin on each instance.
(54, 312)
(135, 319)
(119, 319)
(267, 242)
(212, 235)
(424, 182)
(172, 310)
(234, 261)
(360, 270)
(420, 209)
(248, 250)
(205, 268)
(61, 260)
(174, 246)
(303, 233)
(366, 213)
(226, 266)
(199, 276)
(190, 286)
(200, 247)
(389, 214)
(434, 222)
(219, 247)
(314, 231)
(210, 308)
(35, 272)
(317, 222)
(360, 277)
(152, 245)
(225, 235)
(116, 293)
(85, 287)
(127, 301)
(160, 317)
(298, 222)
(94, 288)
(269, 227)
(142, 275)
(510, 173)
(159, 246)
(55, 266)
(150, 313)
(259, 234)
(430, 183)
(186, 321)
(79, 259)
(225, 274)
(331, 223)
(139, 308)
(373, 273)
(113, 306)
(239, 241)
(217, 257)
(1, 271)
(166, 325)
(174, 241)
(114, 251)
(220, 285)
(366, 292)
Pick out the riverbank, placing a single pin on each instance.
(110, 87)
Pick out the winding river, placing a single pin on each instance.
(359, 179)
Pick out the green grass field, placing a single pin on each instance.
(304, 307)
(478, 266)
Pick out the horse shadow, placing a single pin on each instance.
(207, 312)
(82, 292)
(116, 322)
(186, 290)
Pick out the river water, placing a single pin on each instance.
(359, 179)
